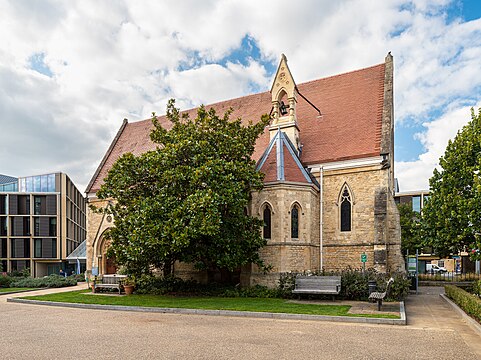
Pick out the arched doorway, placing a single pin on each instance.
(107, 265)
(110, 265)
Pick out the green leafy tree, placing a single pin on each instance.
(186, 200)
(410, 236)
(452, 217)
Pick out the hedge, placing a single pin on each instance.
(471, 304)
(51, 281)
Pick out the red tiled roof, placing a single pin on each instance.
(291, 170)
(350, 126)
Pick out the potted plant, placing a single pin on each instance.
(92, 283)
(129, 284)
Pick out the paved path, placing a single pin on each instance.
(430, 312)
(435, 331)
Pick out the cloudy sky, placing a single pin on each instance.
(70, 71)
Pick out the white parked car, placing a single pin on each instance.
(434, 269)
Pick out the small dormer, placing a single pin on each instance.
(284, 99)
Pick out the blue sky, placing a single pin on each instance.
(71, 72)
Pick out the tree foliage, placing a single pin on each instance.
(410, 235)
(452, 216)
(186, 200)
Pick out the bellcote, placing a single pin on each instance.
(284, 99)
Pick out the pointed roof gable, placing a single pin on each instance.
(281, 163)
(283, 79)
(352, 107)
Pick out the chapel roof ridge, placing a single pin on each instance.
(215, 104)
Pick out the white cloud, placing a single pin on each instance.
(116, 59)
(211, 83)
(414, 175)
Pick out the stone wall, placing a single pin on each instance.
(282, 252)
(374, 230)
(96, 226)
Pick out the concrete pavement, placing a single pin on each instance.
(434, 330)
(431, 312)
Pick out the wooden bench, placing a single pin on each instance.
(323, 285)
(379, 296)
(109, 282)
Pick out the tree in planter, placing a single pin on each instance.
(451, 220)
(186, 200)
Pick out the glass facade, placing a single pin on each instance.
(12, 187)
(416, 203)
(39, 183)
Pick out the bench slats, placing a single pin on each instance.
(110, 282)
(329, 285)
(379, 296)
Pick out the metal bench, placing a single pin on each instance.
(379, 296)
(323, 285)
(109, 282)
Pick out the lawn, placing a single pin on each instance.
(4, 290)
(206, 303)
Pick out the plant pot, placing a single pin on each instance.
(129, 289)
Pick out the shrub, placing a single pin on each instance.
(471, 304)
(400, 287)
(51, 281)
(477, 288)
(19, 274)
(5, 281)
(78, 277)
(159, 285)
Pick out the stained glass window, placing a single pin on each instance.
(345, 210)
(295, 222)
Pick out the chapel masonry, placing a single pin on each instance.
(328, 160)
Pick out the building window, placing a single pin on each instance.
(36, 226)
(38, 248)
(20, 248)
(52, 227)
(295, 222)
(416, 200)
(267, 222)
(45, 248)
(3, 226)
(54, 247)
(346, 208)
(3, 250)
(38, 205)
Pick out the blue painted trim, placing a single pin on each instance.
(289, 147)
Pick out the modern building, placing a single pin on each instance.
(328, 160)
(417, 199)
(42, 221)
(460, 263)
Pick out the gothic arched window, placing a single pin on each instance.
(346, 209)
(295, 222)
(267, 222)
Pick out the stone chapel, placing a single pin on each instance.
(328, 160)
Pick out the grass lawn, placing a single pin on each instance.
(206, 303)
(4, 290)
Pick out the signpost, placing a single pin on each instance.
(364, 261)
